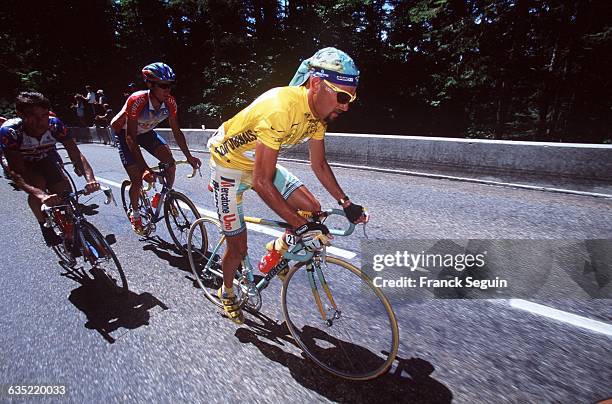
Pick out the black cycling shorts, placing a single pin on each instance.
(47, 168)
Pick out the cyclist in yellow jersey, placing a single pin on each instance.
(244, 154)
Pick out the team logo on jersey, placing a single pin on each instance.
(235, 142)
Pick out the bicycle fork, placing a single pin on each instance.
(310, 270)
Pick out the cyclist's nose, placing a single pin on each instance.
(343, 107)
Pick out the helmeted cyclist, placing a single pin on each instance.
(134, 128)
(28, 142)
(244, 154)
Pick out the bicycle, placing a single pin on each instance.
(311, 323)
(80, 238)
(179, 211)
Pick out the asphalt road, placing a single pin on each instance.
(164, 342)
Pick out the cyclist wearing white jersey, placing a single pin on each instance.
(134, 127)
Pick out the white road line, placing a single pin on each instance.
(109, 182)
(252, 226)
(562, 316)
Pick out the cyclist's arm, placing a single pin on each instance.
(322, 170)
(79, 160)
(263, 184)
(130, 139)
(179, 136)
(17, 170)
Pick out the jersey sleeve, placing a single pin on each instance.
(9, 138)
(134, 105)
(58, 129)
(320, 132)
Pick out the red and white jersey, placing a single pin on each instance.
(138, 106)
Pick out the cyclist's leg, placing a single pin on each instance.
(228, 190)
(131, 168)
(158, 147)
(45, 175)
(135, 174)
(38, 181)
(294, 192)
(299, 198)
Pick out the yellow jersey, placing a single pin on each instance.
(279, 118)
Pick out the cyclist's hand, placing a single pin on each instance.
(194, 162)
(92, 186)
(51, 200)
(356, 213)
(148, 176)
(313, 235)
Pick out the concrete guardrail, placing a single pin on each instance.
(576, 162)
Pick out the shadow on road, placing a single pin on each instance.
(409, 381)
(107, 312)
(168, 252)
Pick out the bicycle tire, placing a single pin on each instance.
(98, 251)
(347, 356)
(178, 220)
(206, 266)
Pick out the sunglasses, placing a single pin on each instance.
(164, 86)
(343, 97)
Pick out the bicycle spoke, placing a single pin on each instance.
(358, 321)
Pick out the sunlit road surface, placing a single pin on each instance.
(165, 342)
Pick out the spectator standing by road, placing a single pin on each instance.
(79, 109)
(91, 101)
(102, 125)
(102, 99)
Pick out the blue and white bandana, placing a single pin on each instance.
(331, 64)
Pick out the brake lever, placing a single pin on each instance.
(109, 196)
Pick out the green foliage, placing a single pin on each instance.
(493, 69)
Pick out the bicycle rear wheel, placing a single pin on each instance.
(144, 206)
(99, 254)
(180, 213)
(359, 338)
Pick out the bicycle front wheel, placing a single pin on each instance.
(340, 319)
(180, 213)
(99, 254)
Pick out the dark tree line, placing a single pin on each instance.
(503, 69)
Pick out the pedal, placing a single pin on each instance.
(110, 239)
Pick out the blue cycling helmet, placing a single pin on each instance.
(329, 63)
(155, 72)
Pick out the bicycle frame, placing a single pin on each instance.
(295, 254)
(160, 175)
(76, 217)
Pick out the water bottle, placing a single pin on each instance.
(269, 261)
(155, 200)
